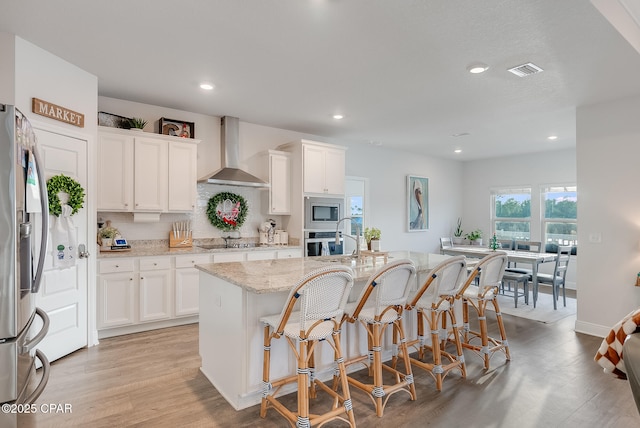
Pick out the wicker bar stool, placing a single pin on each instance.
(320, 298)
(379, 306)
(434, 303)
(491, 270)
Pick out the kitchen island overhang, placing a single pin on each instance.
(233, 298)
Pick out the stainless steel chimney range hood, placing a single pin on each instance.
(230, 174)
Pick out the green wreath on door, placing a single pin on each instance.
(63, 183)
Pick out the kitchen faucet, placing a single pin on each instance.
(357, 238)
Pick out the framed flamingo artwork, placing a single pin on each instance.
(417, 203)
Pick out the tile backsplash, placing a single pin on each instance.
(200, 224)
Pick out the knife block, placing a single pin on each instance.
(182, 241)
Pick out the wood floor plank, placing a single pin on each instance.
(152, 379)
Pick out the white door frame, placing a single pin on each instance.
(90, 200)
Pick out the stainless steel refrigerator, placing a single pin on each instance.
(23, 234)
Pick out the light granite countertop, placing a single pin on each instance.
(272, 276)
(161, 248)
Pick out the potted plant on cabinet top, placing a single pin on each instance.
(137, 123)
(475, 237)
(372, 236)
(458, 234)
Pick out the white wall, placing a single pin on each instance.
(387, 172)
(41, 74)
(608, 154)
(7, 68)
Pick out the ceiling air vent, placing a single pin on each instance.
(525, 69)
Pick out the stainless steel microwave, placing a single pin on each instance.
(322, 213)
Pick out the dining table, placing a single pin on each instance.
(513, 256)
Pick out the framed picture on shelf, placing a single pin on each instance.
(417, 203)
(177, 128)
(113, 120)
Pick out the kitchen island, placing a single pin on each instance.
(233, 298)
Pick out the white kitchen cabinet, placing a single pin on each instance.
(146, 173)
(280, 180)
(156, 300)
(182, 176)
(261, 255)
(116, 294)
(323, 169)
(150, 174)
(236, 256)
(289, 254)
(115, 172)
(187, 279)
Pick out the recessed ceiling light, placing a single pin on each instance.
(460, 134)
(206, 86)
(478, 67)
(338, 116)
(552, 137)
(457, 151)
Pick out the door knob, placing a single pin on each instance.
(82, 251)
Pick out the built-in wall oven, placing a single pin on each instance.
(322, 244)
(322, 213)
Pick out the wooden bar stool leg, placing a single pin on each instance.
(435, 350)
(348, 404)
(484, 335)
(378, 388)
(312, 368)
(303, 386)
(420, 314)
(503, 332)
(266, 384)
(406, 359)
(458, 343)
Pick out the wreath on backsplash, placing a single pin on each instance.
(62, 183)
(227, 211)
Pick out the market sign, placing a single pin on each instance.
(56, 112)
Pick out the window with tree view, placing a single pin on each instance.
(560, 220)
(512, 213)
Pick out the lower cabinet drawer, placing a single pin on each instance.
(191, 261)
(155, 263)
(116, 265)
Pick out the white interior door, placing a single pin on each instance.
(63, 292)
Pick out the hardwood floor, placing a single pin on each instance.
(152, 379)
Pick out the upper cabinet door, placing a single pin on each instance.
(334, 171)
(182, 176)
(115, 172)
(280, 180)
(314, 169)
(324, 169)
(150, 175)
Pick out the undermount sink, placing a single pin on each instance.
(211, 246)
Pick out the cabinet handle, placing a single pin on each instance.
(130, 279)
(155, 264)
(117, 266)
(126, 205)
(142, 277)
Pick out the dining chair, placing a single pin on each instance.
(490, 270)
(523, 245)
(434, 304)
(445, 243)
(558, 278)
(506, 244)
(320, 298)
(379, 306)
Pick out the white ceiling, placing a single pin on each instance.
(395, 69)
